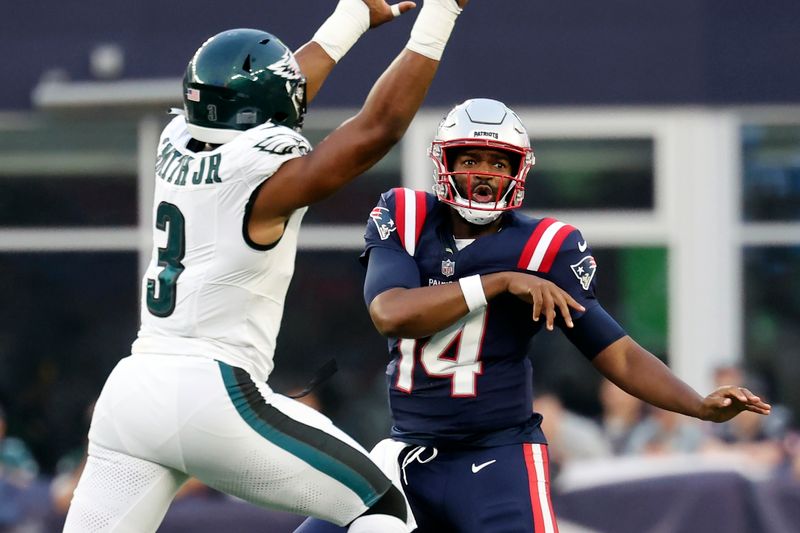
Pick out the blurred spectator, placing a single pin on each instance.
(18, 471)
(792, 444)
(570, 436)
(68, 471)
(664, 432)
(17, 464)
(621, 414)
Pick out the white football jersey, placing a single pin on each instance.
(208, 291)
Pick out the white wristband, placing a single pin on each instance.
(432, 28)
(342, 29)
(472, 288)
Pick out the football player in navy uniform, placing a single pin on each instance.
(450, 282)
(232, 181)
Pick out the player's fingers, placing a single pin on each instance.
(760, 404)
(536, 298)
(549, 309)
(563, 306)
(573, 303)
(739, 394)
(751, 398)
(402, 7)
(759, 410)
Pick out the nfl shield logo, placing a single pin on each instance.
(448, 267)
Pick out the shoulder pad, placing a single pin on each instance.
(410, 210)
(543, 245)
(279, 140)
(176, 128)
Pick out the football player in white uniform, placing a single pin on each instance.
(233, 179)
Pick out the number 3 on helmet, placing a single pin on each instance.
(481, 123)
(239, 79)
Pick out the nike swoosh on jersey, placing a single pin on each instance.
(476, 469)
(582, 246)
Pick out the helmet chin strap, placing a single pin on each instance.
(478, 217)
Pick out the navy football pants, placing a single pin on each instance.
(504, 489)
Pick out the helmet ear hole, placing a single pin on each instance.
(246, 66)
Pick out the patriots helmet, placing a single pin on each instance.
(239, 79)
(481, 123)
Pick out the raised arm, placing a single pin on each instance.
(338, 33)
(641, 374)
(364, 139)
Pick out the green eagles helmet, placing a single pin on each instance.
(239, 79)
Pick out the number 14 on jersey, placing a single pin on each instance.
(452, 353)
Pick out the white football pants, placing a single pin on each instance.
(161, 419)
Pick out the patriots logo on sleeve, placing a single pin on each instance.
(382, 219)
(584, 270)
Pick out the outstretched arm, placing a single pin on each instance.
(641, 374)
(338, 33)
(363, 140)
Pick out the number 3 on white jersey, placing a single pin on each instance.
(465, 337)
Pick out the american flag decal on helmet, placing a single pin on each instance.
(193, 95)
(383, 221)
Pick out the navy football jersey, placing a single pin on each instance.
(471, 383)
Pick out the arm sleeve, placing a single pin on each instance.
(574, 270)
(594, 331)
(388, 269)
(388, 263)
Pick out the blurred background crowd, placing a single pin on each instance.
(668, 131)
(626, 441)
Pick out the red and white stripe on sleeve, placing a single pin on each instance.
(542, 247)
(410, 210)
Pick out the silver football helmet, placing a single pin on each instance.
(481, 123)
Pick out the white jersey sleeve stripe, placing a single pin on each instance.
(543, 244)
(410, 215)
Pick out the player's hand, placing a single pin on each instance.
(381, 12)
(546, 297)
(728, 401)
